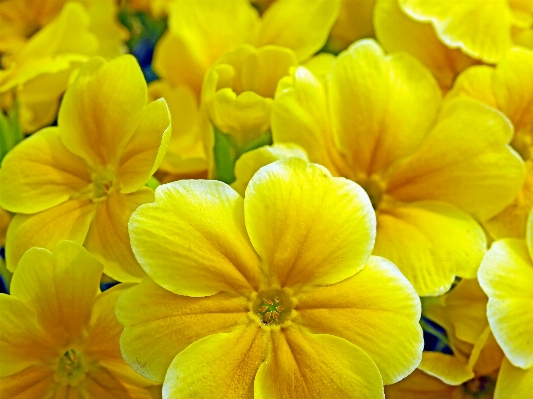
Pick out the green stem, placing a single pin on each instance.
(433, 331)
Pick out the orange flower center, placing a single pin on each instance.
(479, 387)
(272, 307)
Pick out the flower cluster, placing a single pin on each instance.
(267, 199)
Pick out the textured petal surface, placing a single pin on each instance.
(304, 365)
(198, 244)
(300, 26)
(60, 286)
(145, 151)
(420, 385)
(382, 106)
(477, 172)
(447, 368)
(108, 236)
(68, 221)
(159, 324)
(33, 382)
(431, 243)
(91, 119)
(221, 366)
(506, 276)
(41, 173)
(480, 28)
(513, 382)
(361, 310)
(250, 162)
(308, 227)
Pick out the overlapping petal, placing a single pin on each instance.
(446, 368)
(361, 309)
(513, 382)
(159, 324)
(32, 382)
(200, 224)
(219, 366)
(45, 171)
(303, 365)
(308, 227)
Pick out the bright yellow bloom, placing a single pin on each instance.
(82, 180)
(43, 42)
(355, 21)
(199, 33)
(482, 29)
(379, 120)
(472, 370)
(509, 88)
(59, 337)
(273, 296)
(396, 31)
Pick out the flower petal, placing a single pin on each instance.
(60, 286)
(159, 324)
(108, 238)
(312, 366)
(446, 368)
(480, 28)
(68, 221)
(382, 106)
(308, 227)
(505, 275)
(41, 173)
(218, 366)
(477, 172)
(250, 162)
(145, 151)
(420, 385)
(302, 27)
(33, 382)
(419, 40)
(200, 226)
(361, 309)
(513, 382)
(91, 118)
(431, 243)
(300, 116)
(23, 342)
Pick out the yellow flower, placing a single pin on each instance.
(509, 88)
(355, 21)
(426, 165)
(82, 180)
(482, 29)
(59, 336)
(396, 31)
(273, 296)
(472, 370)
(199, 33)
(43, 42)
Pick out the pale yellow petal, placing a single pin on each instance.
(107, 238)
(513, 382)
(198, 225)
(159, 324)
(361, 309)
(506, 276)
(68, 221)
(381, 106)
(314, 366)
(476, 82)
(220, 366)
(41, 173)
(60, 285)
(308, 227)
(431, 243)
(465, 160)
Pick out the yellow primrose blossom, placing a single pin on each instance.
(43, 42)
(482, 29)
(199, 33)
(396, 31)
(472, 370)
(271, 296)
(59, 337)
(82, 180)
(380, 121)
(355, 21)
(507, 87)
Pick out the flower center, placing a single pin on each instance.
(102, 184)
(522, 143)
(480, 387)
(70, 369)
(374, 187)
(272, 307)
